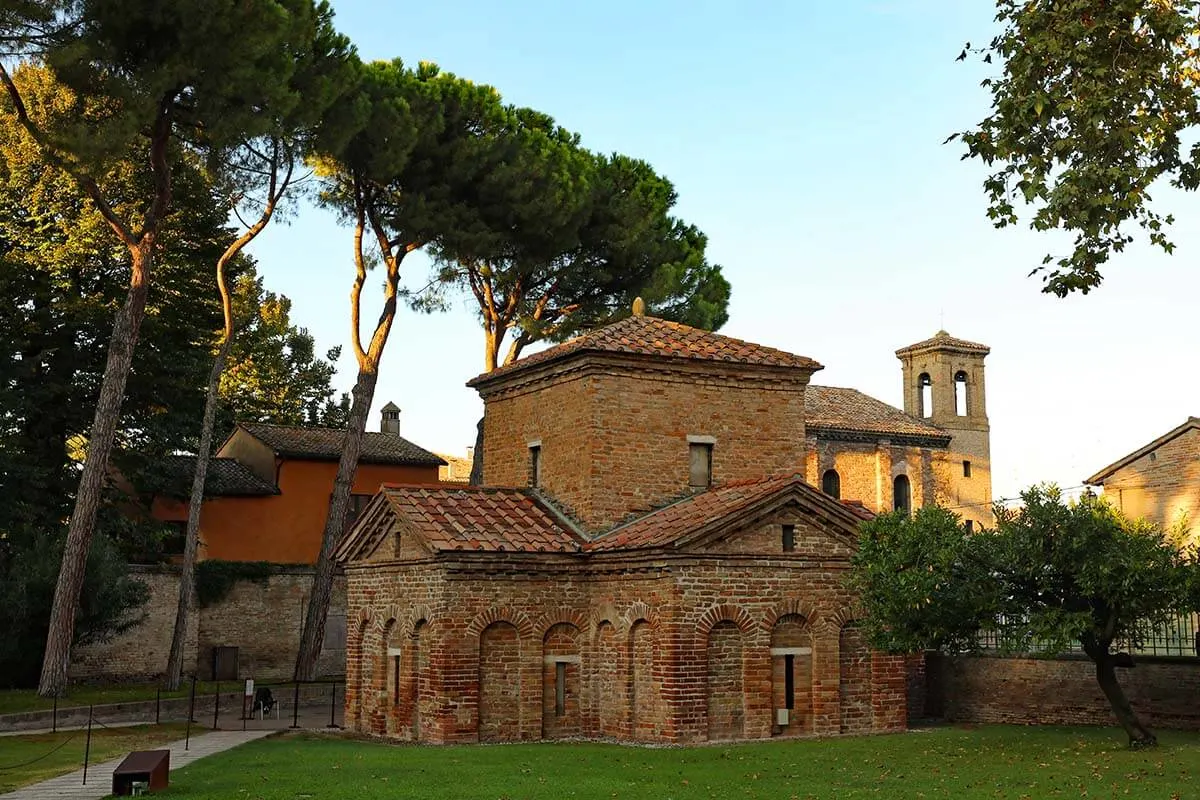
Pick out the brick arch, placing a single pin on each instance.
(601, 615)
(640, 611)
(844, 616)
(518, 619)
(386, 616)
(561, 616)
(415, 615)
(792, 605)
(720, 613)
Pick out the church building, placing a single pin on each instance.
(651, 557)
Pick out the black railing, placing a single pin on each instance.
(1179, 637)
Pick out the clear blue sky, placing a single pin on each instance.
(805, 139)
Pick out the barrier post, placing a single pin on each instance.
(296, 705)
(332, 703)
(87, 747)
(187, 738)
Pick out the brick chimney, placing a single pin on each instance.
(390, 422)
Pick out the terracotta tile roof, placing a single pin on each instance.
(481, 519)
(650, 336)
(832, 408)
(325, 444)
(227, 477)
(941, 339)
(666, 525)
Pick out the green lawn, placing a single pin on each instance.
(991, 762)
(13, 701)
(53, 759)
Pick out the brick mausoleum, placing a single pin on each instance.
(645, 562)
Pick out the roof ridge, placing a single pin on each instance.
(646, 336)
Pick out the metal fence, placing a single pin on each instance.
(1179, 637)
(219, 705)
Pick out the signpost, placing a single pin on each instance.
(247, 701)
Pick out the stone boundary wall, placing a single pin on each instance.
(261, 619)
(1164, 691)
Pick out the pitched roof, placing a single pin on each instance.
(651, 336)
(667, 525)
(226, 477)
(1191, 423)
(325, 444)
(944, 341)
(832, 409)
(481, 518)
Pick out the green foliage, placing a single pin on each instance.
(273, 373)
(216, 578)
(1097, 101)
(63, 276)
(924, 581)
(558, 240)
(29, 563)
(1051, 572)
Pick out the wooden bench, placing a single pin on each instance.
(150, 767)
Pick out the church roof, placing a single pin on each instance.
(944, 341)
(1191, 423)
(691, 515)
(832, 410)
(481, 518)
(325, 444)
(651, 336)
(497, 520)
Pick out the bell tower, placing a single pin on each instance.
(944, 385)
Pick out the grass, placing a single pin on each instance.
(984, 762)
(58, 753)
(14, 701)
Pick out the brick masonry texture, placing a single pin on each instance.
(262, 620)
(1164, 692)
(622, 608)
(655, 646)
(614, 441)
(1163, 485)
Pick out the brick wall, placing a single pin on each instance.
(141, 653)
(671, 647)
(614, 439)
(1163, 485)
(1164, 692)
(725, 699)
(262, 620)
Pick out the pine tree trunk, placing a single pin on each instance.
(128, 322)
(187, 575)
(1106, 675)
(313, 635)
(477, 455)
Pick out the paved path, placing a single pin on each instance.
(99, 779)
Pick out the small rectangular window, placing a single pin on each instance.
(700, 465)
(560, 689)
(535, 465)
(970, 525)
(789, 681)
(789, 538)
(966, 469)
(396, 679)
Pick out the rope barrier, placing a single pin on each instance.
(60, 746)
